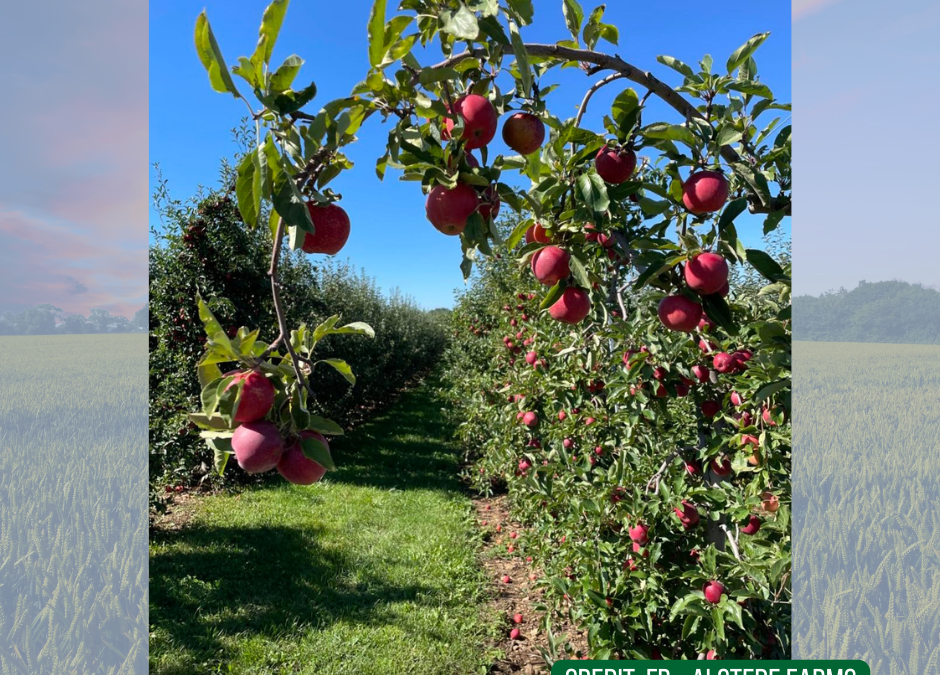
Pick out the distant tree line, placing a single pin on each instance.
(46, 319)
(893, 312)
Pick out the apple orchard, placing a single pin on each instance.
(620, 362)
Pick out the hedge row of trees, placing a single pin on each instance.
(46, 319)
(205, 248)
(887, 311)
(603, 438)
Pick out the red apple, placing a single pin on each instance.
(713, 591)
(258, 446)
(640, 534)
(523, 132)
(753, 525)
(489, 203)
(296, 467)
(517, 619)
(530, 419)
(678, 313)
(613, 165)
(479, 120)
(723, 362)
(706, 273)
(550, 265)
(515, 634)
(705, 192)
(257, 395)
(721, 468)
(332, 229)
(449, 209)
(537, 234)
(736, 399)
(701, 373)
(688, 514)
(572, 307)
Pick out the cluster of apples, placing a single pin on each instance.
(449, 208)
(257, 443)
(705, 273)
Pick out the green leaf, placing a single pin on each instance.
(718, 311)
(732, 211)
(284, 76)
(462, 23)
(593, 192)
(431, 75)
(676, 65)
(728, 135)
(554, 293)
(773, 219)
(763, 263)
(579, 272)
(324, 426)
(208, 421)
(670, 132)
(313, 448)
(523, 10)
(755, 179)
(342, 368)
(719, 622)
(214, 330)
(288, 201)
(743, 53)
(211, 57)
(574, 16)
(769, 390)
(271, 22)
(290, 101)
(625, 110)
(249, 201)
(377, 45)
(752, 89)
(517, 234)
(522, 58)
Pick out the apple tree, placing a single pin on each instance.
(647, 436)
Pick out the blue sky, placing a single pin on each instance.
(865, 89)
(190, 125)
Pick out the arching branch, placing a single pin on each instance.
(590, 92)
(645, 79)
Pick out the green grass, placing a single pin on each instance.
(372, 570)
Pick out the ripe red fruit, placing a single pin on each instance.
(257, 395)
(721, 468)
(561, 415)
(530, 419)
(753, 525)
(296, 467)
(518, 617)
(591, 234)
(589, 421)
(513, 535)
(615, 166)
(736, 399)
(524, 465)
(688, 514)
(640, 534)
(567, 443)
(524, 133)
(659, 373)
(448, 209)
(768, 418)
(258, 446)
(706, 273)
(705, 192)
(678, 313)
(515, 634)
(550, 265)
(537, 234)
(713, 591)
(479, 120)
(507, 579)
(723, 362)
(750, 440)
(712, 655)
(598, 450)
(682, 390)
(572, 307)
(531, 358)
(770, 502)
(332, 229)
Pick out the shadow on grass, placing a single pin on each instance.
(218, 581)
(407, 447)
(260, 581)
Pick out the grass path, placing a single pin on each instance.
(373, 570)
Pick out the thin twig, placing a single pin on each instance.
(734, 544)
(654, 481)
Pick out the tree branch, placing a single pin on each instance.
(623, 69)
(590, 92)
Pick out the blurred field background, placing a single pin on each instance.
(866, 504)
(73, 504)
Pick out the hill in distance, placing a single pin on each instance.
(894, 312)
